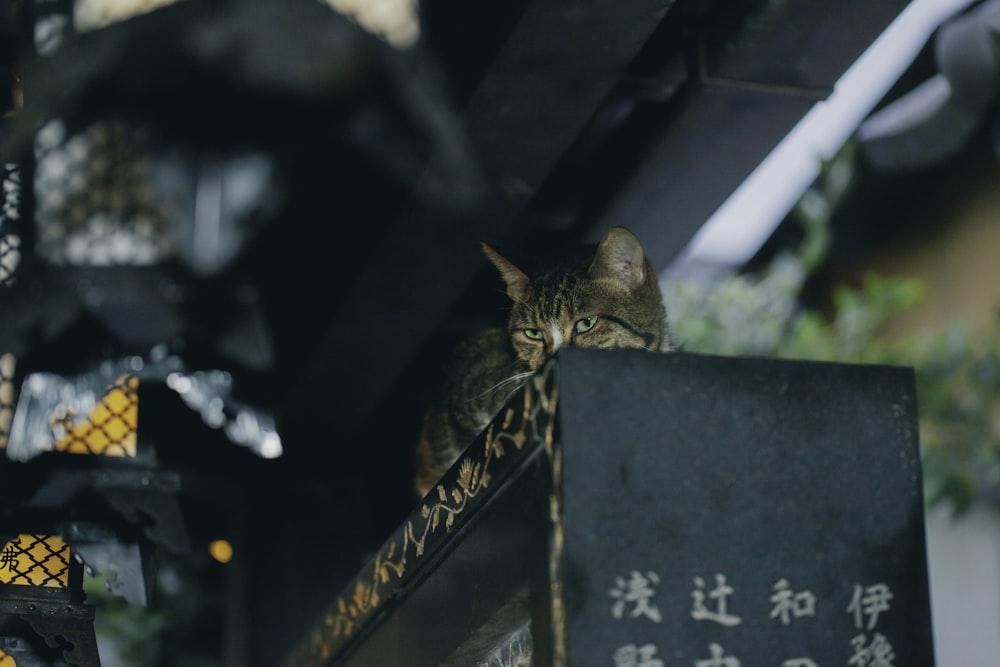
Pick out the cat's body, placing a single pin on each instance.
(608, 298)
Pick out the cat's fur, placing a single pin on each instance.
(608, 298)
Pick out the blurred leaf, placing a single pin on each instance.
(958, 386)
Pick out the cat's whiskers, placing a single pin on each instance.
(516, 378)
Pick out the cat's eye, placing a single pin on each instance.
(586, 324)
(534, 334)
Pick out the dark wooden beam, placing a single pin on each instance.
(557, 66)
(760, 72)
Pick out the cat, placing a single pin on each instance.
(603, 298)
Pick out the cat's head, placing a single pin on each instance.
(606, 299)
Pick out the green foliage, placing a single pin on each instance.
(958, 384)
(182, 624)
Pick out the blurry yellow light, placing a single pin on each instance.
(221, 550)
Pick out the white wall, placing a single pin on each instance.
(964, 566)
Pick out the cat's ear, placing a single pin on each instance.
(517, 281)
(619, 256)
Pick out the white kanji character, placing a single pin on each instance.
(788, 603)
(638, 592)
(631, 655)
(719, 594)
(718, 659)
(870, 602)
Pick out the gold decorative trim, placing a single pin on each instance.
(528, 418)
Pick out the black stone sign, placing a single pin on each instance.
(633, 509)
(721, 512)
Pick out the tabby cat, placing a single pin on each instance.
(608, 298)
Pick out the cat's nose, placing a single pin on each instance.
(556, 338)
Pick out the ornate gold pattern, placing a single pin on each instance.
(6, 660)
(35, 560)
(518, 425)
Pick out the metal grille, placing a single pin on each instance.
(7, 364)
(110, 428)
(35, 560)
(10, 214)
(95, 202)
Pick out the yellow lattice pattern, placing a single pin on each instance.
(110, 429)
(6, 398)
(35, 560)
(6, 660)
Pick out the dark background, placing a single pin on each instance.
(532, 125)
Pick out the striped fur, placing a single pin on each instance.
(608, 298)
